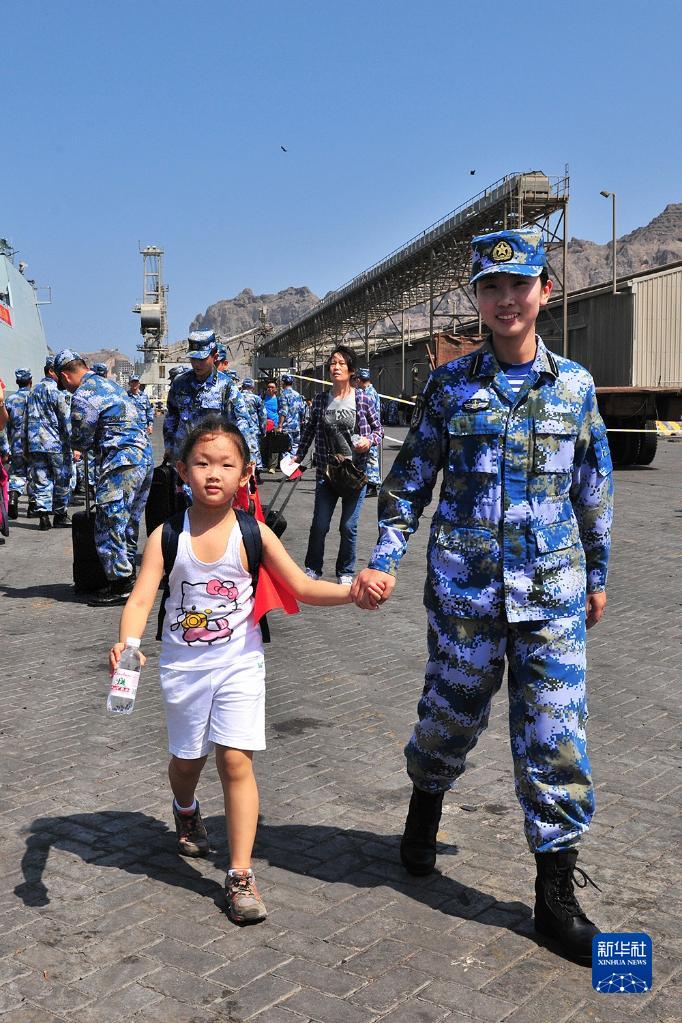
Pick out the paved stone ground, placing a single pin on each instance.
(100, 921)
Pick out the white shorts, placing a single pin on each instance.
(224, 706)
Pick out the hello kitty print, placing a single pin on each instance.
(203, 614)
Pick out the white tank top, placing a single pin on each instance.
(209, 618)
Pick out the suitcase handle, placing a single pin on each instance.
(86, 482)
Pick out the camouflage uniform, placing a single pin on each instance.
(190, 399)
(522, 524)
(144, 408)
(290, 406)
(20, 480)
(47, 427)
(372, 469)
(258, 419)
(104, 419)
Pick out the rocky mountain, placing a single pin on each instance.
(233, 315)
(655, 244)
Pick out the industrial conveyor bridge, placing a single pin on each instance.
(368, 313)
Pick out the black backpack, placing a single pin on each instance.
(253, 543)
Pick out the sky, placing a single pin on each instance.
(127, 124)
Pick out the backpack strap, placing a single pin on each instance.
(170, 536)
(253, 545)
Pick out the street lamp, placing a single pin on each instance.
(612, 195)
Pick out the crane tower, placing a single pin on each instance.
(152, 309)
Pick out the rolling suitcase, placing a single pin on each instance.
(163, 498)
(88, 574)
(275, 519)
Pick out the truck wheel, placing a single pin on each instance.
(625, 448)
(648, 445)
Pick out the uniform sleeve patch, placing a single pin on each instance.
(418, 412)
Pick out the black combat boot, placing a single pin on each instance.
(44, 521)
(61, 519)
(31, 511)
(557, 911)
(13, 507)
(418, 844)
(115, 592)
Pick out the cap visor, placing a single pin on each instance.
(518, 269)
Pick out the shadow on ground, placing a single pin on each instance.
(142, 845)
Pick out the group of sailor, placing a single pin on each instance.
(76, 411)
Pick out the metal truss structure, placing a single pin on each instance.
(431, 271)
(153, 308)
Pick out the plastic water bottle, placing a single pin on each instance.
(121, 699)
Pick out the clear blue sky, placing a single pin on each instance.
(162, 123)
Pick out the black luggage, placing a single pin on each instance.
(164, 499)
(88, 574)
(275, 519)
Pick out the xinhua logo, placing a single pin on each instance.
(622, 963)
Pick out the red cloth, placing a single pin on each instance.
(270, 595)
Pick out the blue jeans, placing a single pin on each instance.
(325, 503)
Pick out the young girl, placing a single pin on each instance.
(211, 666)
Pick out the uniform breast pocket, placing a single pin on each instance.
(476, 443)
(554, 445)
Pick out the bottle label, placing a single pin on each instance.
(124, 682)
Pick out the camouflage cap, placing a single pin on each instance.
(287, 378)
(133, 377)
(99, 368)
(23, 376)
(49, 362)
(175, 371)
(202, 343)
(64, 357)
(247, 382)
(512, 252)
(220, 352)
(363, 373)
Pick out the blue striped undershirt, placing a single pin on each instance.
(516, 374)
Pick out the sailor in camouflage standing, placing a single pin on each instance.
(258, 418)
(201, 390)
(103, 418)
(141, 403)
(291, 407)
(517, 562)
(47, 429)
(372, 471)
(20, 481)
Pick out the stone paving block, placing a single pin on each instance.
(323, 1008)
(488, 1008)
(249, 967)
(185, 957)
(322, 978)
(391, 988)
(416, 1010)
(185, 987)
(118, 1005)
(254, 998)
(324, 951)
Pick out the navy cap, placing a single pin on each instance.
(172, 373)
(287, 378)
(23, 376)
(363, 374)
(221, 352)
(134, 376)
(64, 357)
(247, 382)
(202, 343)
(99, 368)
(49, 362)
(510, 252)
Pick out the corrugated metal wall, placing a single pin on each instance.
(599, 335)
(658, 330)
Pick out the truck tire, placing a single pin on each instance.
(625, 448)
(648, 445)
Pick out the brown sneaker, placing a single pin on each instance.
(191, 832)
(244, 904)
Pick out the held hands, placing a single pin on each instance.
(115, 656)
(362, 445)
(371, 588)
(595, 605)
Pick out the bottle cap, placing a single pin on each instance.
(131, 641)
